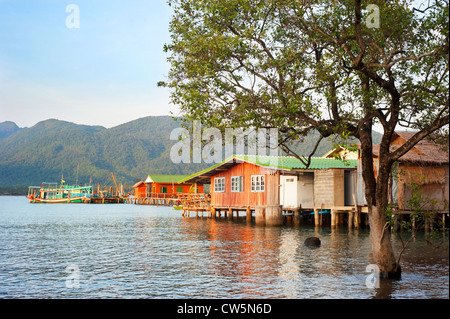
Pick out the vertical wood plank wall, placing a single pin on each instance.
(245, 198)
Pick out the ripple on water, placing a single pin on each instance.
(132, 251)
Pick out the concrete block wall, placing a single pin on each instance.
(323, 188)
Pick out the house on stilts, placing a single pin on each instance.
(169, 185)
(273, 187)
(423, 170)
(162, 190)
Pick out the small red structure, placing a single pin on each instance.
(140, 189)
(169, 186)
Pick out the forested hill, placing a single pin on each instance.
(29, 156)
(8, 128)
(53, 147)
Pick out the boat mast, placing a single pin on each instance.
(76, 179)
(62, 174)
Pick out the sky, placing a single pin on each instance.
(97, 66)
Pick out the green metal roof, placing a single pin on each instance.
(167, 178)
(291, 163)
(275, 162)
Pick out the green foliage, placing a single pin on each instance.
(8, 128)
(305, 66)
(131, 151)
(309, 66)
(423, 216)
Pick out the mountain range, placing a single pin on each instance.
(52, 149)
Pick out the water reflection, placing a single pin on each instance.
(289, 269)
(131, 251)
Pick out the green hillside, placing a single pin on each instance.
(8, 128)
(52, 147)
(29, 156)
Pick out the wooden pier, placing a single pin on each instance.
(195, 202)
(154, 199)
(104, 200)
(336, 216)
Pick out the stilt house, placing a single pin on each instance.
(140, 189)
(278, 183)
(425, 166)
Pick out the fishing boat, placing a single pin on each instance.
(54, 193)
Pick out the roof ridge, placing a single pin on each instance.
(278, 156)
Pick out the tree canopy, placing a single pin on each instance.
(303, 65)
(337, 67)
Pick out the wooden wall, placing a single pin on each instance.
(172, 188)
(140, 191)
(245, 198)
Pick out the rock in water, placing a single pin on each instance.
(312, 242)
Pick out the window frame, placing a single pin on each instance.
(236, 184)
(219, 184)
(258, 183)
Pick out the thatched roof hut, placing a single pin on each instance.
(425, 152)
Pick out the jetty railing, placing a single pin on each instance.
(195, 202)
(198, 202)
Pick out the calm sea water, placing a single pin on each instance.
(131, 251)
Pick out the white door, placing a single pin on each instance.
(288, 191)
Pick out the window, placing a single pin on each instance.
(236, 184)
(258, 184)
(180, 189)
(219, 184)
(164, 190)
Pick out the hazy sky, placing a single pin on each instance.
(102, 73)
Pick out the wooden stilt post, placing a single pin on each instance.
(333, 218)
(260, 215)
(351, 215)
(427, 224)
(297, 217)
(248, 214)
(357, 217)
(316, 217)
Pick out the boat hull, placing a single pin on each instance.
(79, 199)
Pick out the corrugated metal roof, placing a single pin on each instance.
(155, 178)
(292, 163)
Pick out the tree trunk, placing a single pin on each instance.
(382, 252)
(376, 190)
